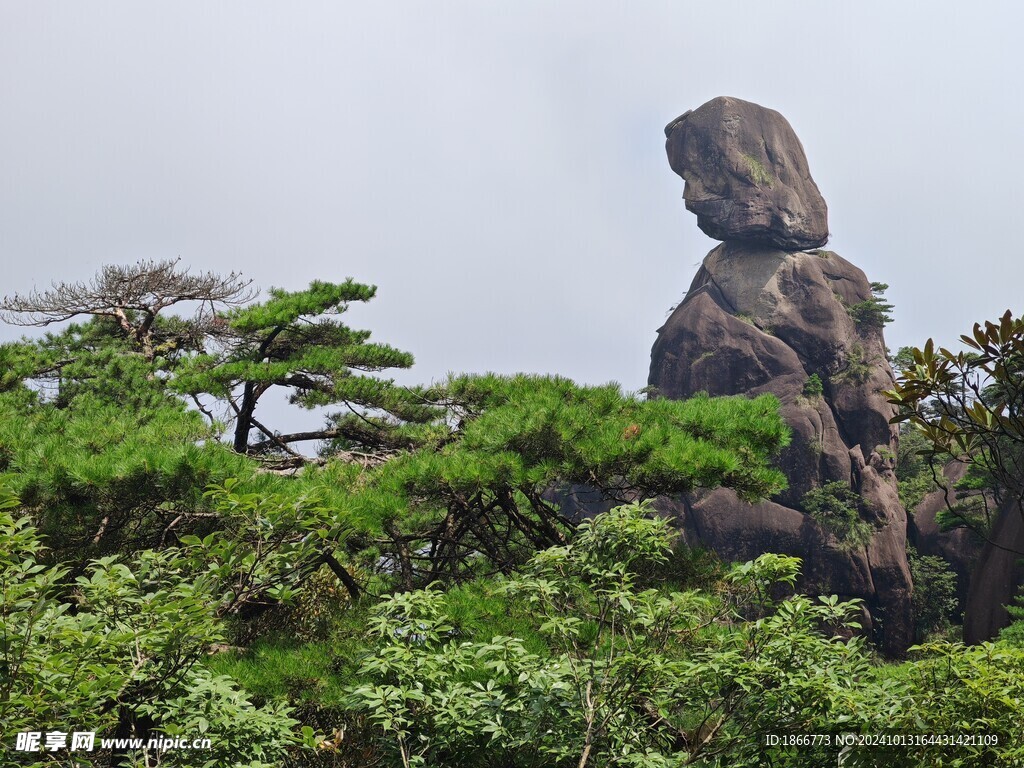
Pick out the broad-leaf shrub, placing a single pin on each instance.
(634, 675)
(965, 702)
(834, 506)
(265, 545)
(118, 652)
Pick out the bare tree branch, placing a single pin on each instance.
(131, 295)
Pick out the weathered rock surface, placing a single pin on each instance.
(959, 547)
(763, 315)
(996, 577)
(761, 320)
(989, 574)
(746, 175)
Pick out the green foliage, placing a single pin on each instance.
(913, 490)
(91, 359)
(487, 487)
(607, 647)
(99, 478)
(659, 446)
(634, 676)
(912, 471)
(278, 668)
(935, 601)
(813, 387)
(319, 604)
(815, 446)
(872, 312)
(834, 506)
(292, 341)
(858, 367)
(967, 406)
(266, 544)
(970, 504)
(974, 397)
(948, 688)
(1014, 633)
(119, 653)
(475, 459)
(757, 173)
(903, 359)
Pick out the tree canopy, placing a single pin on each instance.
(429, 588)
(133, 296)
(294, 341)
(492, 480)
(969, 407)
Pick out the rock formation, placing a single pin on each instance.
(747, 176)
(764, 314)
(995, 577)
(960, 547)
(988, 574)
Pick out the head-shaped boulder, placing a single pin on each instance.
(747, 176)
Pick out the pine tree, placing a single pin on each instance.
(500, 480)
(294, 341)
(133, 297)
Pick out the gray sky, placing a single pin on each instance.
(498, 169)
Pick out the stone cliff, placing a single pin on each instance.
(769, 311)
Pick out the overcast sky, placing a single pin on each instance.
(498, 169)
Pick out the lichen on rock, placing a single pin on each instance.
(746, 175)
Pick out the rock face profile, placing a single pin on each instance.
(747, 176)
(768, 314)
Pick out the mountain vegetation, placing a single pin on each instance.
(418, 586)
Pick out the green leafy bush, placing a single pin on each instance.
(481, 499)
(935, 601)
(947, 688)
(1014, 633)
(633, 675)
(119, 654)
(834, 506)
(972, 504)
(872, 312)
(912, 470)
(813, 387)
(858, 366)
(266, 545)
